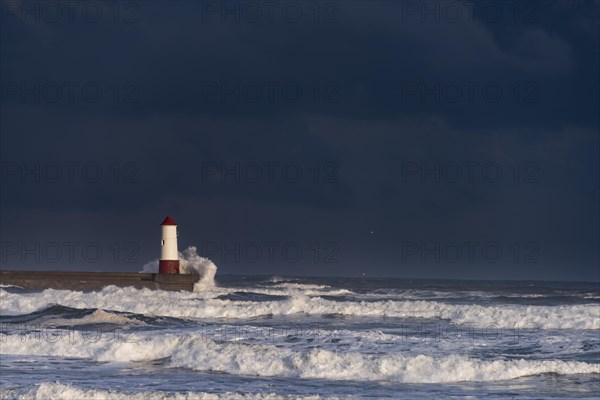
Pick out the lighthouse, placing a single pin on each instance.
(169, 256)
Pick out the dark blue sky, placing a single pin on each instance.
(392, 138)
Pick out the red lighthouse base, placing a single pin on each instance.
(168, 267)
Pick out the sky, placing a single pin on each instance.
(439, 139)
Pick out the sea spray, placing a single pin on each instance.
(190, 263)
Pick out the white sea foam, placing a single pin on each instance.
(300, 286)
(195, 351)
(98, 317)
(204, 304)
(49, 390)
(302, 289)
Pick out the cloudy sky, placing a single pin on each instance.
(394, 138)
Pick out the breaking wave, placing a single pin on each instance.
(60, 391)
(196, 352)
(211, 304)
(190, 263)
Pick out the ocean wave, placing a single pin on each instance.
(58, 316)
(190, 263)
(205, 305)
(49, 390)
(196, 352)
(102, 317)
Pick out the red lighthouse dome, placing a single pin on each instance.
(168, 221)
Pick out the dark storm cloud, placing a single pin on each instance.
(195, 102)
(376, 62)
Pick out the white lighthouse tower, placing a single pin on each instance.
(169, 256)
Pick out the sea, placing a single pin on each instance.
(274, 337)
